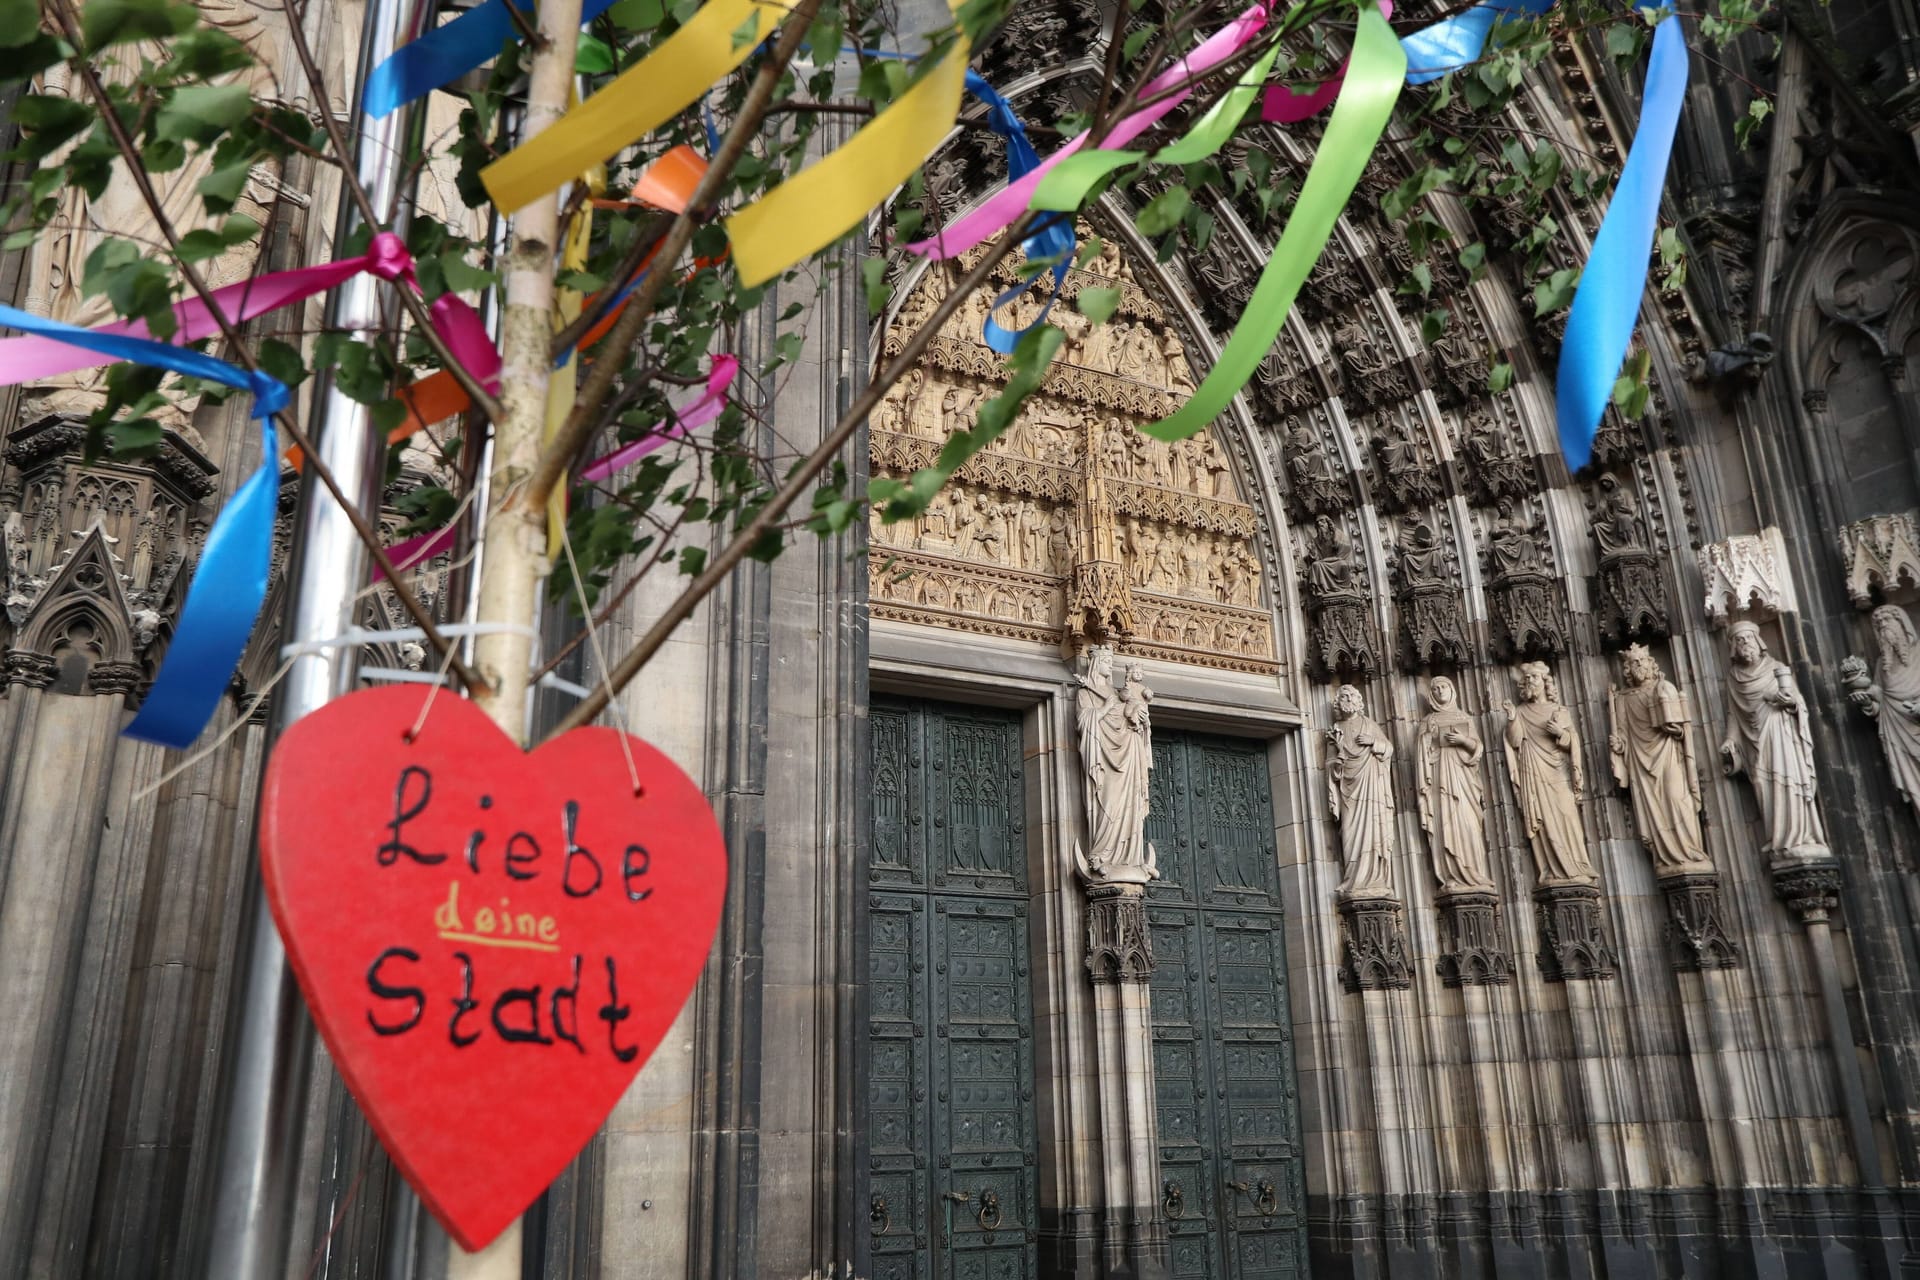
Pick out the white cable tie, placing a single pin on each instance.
(400, 675)
(552, 681)
(354, 636)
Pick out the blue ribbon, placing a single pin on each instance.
(1607, 302)
(448, 52)
(230, 583)
(1055, 236)
(1458, 42)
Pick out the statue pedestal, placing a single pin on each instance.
(1573, 948)
(1475, 954)
(1696, 938)
(1377, 957)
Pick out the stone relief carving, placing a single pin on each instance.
(1114, 725)
(1499, 465)
(1282, 380)
(1617, 442)
(1317, 488)
(1460, 360)
(1882, 555)
(1452, 797)
(1375, 376)
(1521, 583)
(1633, 599)
(1543, 757)
(1891, 695)
(1336, 591)
(1433, 626)
(1769, 740)
(1360, 793)
(1408, 473)
(1073, 527)
(1651, 745)
(1746, 574)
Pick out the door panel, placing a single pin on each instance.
(1223, 1053)
(950, 1041)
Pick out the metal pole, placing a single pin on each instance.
(269, 1043)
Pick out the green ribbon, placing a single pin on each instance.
(1066, 185)
(1374, 75)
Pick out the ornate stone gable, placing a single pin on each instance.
(1074, 528)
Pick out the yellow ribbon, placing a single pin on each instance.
(818, 205)
(564, 385)
(680, 69)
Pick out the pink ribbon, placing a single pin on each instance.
(1287, 106)
(30, 359)
(1005, 206)
(422, 547)
(703, 409)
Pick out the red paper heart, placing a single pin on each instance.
(485, 1075)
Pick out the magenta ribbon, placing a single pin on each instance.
(689, 418)
(1288, 106)
(1006, 205)
(420, 548)
(30, 359)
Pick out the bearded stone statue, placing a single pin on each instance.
(1892, 695)
(1652, 750)
(1770, 741)
(1543, 755)
(1360, 792)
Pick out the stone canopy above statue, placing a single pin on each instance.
(1074, 528)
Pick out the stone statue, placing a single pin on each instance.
(1892, 695)
(1769, 740)
(1452, 796)
(1360, 791)
(1116, 752)
(1618, 528)
(1543, 756)
(1652, 749)
(1332, 563)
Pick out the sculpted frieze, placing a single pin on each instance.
(1407, 473)
(1334, 585)
(1523, 587)
(1498, 463)
(1433, 626)
(1633, 595)
(1073, 526)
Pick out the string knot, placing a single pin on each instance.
(387, 257)
(269, 394)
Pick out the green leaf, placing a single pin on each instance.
(692, 560)
(238, 229)
(1097, 305)
(1556, 291)
(29, 58)
(19, 23)
(1163, 212)
(138, 436)
(107, 257)
(201, 113)
(592, 56)
(873, 278)
(1500, 377)
(463, 277)
(144, 290)
(638, 15)
(281, 360)
(107, 22)
(387, 415)
(1137, 41)
(221, 188)
(51, 120)
(1433, 324)
(198, 246)
(748, 31)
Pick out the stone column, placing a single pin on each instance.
(1113, 725)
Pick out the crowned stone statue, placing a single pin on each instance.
(1116, 750)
